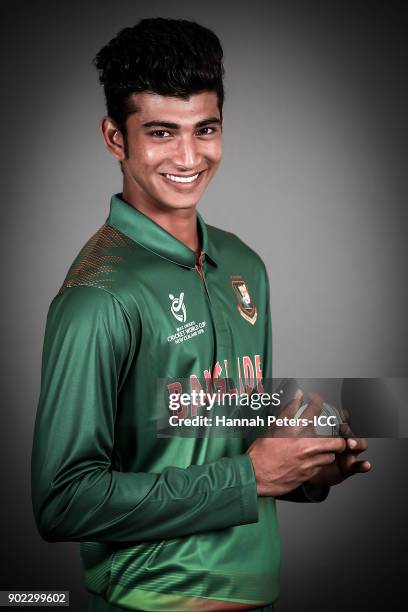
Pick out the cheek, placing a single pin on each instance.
(152, 155)
(214, 152)
(146, 154)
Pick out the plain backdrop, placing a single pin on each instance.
(313, 178)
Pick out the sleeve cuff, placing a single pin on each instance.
(249, 497)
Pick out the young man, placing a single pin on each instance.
(165, 523)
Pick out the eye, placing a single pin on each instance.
(206, 131)
(159, 133)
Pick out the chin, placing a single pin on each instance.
(180, 201)
(182, 204)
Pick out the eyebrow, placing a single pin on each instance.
(175, 126)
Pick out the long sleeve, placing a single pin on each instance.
(89, 345)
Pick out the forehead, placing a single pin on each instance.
(151, 107)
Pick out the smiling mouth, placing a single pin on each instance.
(177, 178)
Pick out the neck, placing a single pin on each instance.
(182, 224)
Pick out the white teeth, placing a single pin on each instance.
(181, 179)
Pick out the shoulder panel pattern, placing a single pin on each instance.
(94, 263)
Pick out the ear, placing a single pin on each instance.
(113, 138)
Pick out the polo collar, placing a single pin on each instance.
(150, 235)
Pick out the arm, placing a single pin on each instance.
(88, 348)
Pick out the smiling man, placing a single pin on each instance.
(170, 151)
(165, 522)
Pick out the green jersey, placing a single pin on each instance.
(164, 523)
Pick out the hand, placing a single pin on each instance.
(345, 465)
(287, 458)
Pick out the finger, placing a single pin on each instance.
(361, 467)
(322, 459)
(345, 430)
(357, 444)
(336, 445)
(349, 463)
(326, 445)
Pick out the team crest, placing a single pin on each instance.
(245, 305)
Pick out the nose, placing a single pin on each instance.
(187, 156)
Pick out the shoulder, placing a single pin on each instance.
(230, 247)
(87, 307)
(101, 261)
(91, 293)
(85, 325)
(106, 266)
(82, 316)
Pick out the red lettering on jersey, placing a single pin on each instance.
(208, 380)
(195, 386)
(177, 389)
(218, 383)
(258, 373)
(241, 384)
(231, 389)
(248, 373)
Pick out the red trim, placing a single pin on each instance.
(199, 266)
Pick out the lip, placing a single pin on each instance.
(183, 186)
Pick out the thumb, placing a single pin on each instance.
(360, 467)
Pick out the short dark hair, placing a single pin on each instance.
(169, 57)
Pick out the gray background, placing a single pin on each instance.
(312, 178)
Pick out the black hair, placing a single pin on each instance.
(169, 57)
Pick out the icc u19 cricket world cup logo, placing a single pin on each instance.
(178, 308)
